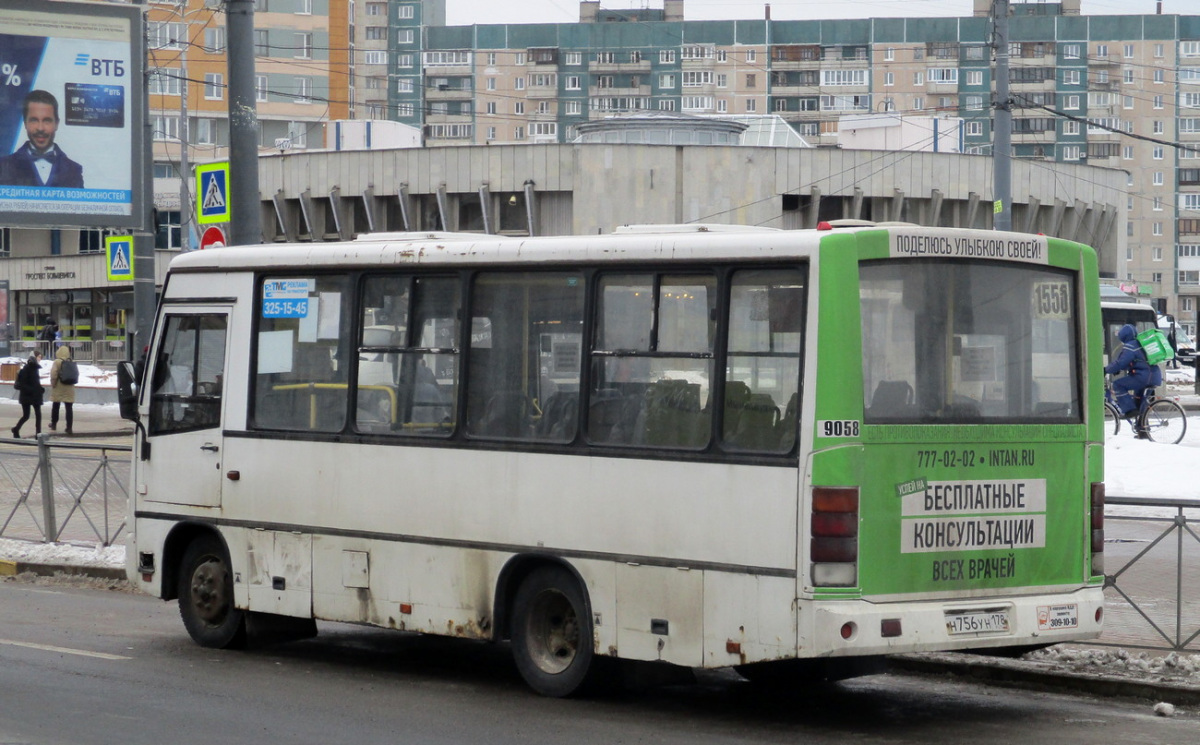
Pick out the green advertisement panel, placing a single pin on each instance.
(972, 515)
(957, 389)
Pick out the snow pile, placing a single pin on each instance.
(29, 552)
(90, 376)
(1172, 668)
(1184, 376)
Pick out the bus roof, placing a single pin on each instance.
(628, 243)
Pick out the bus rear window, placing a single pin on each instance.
(958, 342)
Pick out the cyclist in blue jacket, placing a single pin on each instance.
(1140, 374)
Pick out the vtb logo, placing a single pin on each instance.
(102, 67)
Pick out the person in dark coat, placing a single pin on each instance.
(29, 386)
(1139, 373)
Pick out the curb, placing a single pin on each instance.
(98, 433)
(13, 568)
(1016, 673)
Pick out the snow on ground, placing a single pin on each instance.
(90, 376)
(1172, 668)
(29, 552)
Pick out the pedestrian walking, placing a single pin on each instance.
(64, 374)
(29, 386)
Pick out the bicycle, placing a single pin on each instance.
(1157, 419)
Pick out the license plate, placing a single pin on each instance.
(1051, 617)
(977, 622)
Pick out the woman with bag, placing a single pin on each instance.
(29, 385)
(64, 374)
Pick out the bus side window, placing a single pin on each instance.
(766, 321)
(523, 377)
(408, 355)
(652, 361)
(302, 370)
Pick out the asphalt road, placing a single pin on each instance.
(87, 666)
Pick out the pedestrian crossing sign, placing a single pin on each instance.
(119, 250)
(212, 193)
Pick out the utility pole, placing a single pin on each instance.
(245, 215)
(185, 167)
(144, 300)
(1001, 121)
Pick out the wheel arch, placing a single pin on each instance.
(515, 570)
(178, 539)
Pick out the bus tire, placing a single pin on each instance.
(552, 633)
(206, 596)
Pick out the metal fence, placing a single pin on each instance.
(105, 352)
(89, 483)
(1152, 587)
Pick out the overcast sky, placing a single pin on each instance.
(466, 12)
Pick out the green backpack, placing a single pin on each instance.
(1155, 345)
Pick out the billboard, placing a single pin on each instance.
(71, 115)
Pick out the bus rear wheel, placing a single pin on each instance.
(206, 596)
(552, 633)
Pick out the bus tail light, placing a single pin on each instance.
(833, 547)
(1097, 528)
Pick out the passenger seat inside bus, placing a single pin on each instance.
(506, 415)
(560, 417)
(673, 417)
(614, 415)
(757, 424)
(892, 399)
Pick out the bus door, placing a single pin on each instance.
(186, 373)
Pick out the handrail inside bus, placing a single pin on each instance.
(312, 399)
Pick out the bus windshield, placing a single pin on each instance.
(952, 342)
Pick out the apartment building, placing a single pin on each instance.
(302, 57)
(1121, 91)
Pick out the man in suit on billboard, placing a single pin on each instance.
(39, 162)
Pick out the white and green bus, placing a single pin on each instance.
(792, 452)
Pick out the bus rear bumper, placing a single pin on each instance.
(860, 627)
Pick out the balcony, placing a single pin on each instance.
(1046, 84)
(941, 88)
(639, 91)
(796, 64)
(795, 90)
(541, 91)
(448, 93)
(617, 67)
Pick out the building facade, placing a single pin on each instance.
(302, 55)
(302, 52)
(590, 188)
(1120, 91)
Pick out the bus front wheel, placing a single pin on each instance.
(552, 633)
(206, 596)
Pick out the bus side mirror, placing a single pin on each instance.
(127, 391)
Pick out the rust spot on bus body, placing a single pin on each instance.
(470, 630)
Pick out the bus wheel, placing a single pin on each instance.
(552, 633)
(206, 596)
